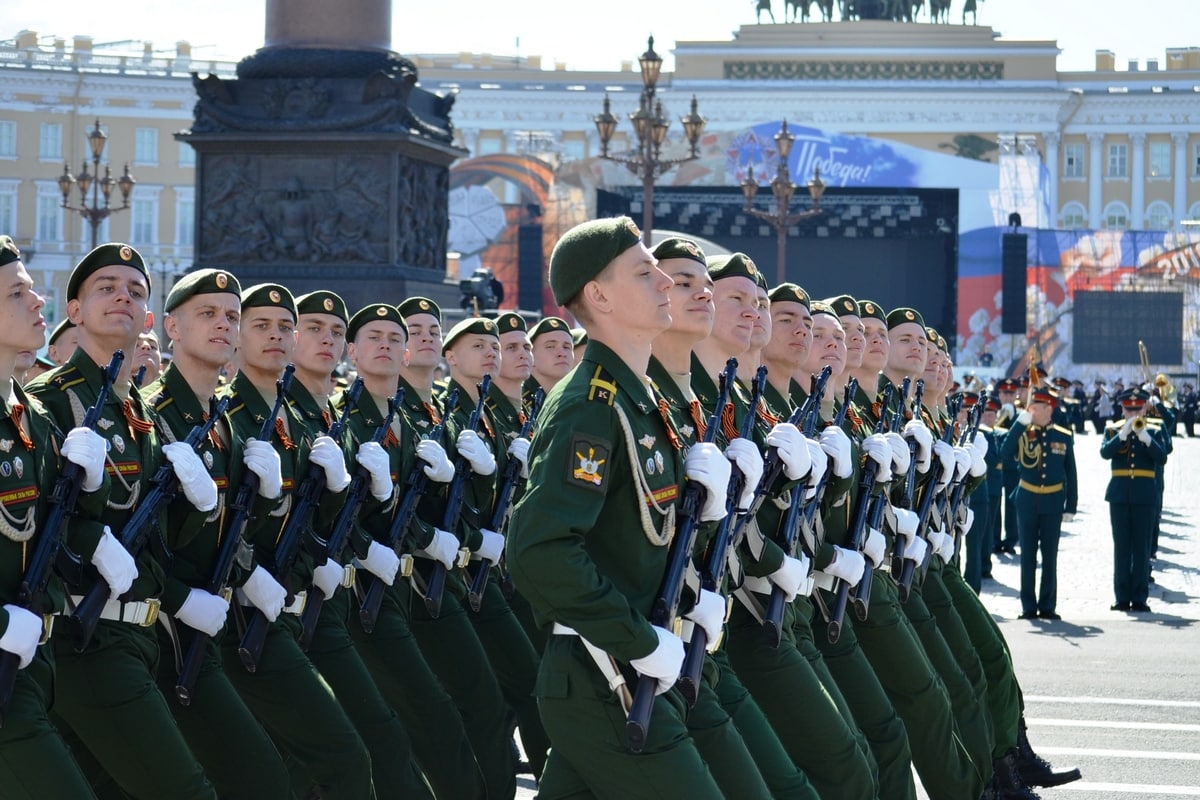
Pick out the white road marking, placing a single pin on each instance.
(1163, 755)
(1130, 788)
(1113, 701)
(1099, 723)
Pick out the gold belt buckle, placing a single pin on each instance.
(464, 558)
(348, 573)
(227, 594)
(47, 628)
(677, 627)
(406, 565)
(152, 606)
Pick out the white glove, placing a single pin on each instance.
(203, 612)
(878, 449)
(1153, 401)
(915, 550)
(328, 456)
(819, 462)
(265, 593)
(944, 453)
(791, 576)
(962, 462)
(375, 459)
(382, 562)
(836, 444)
(262, 459)
(980, 444)
(1126, 429)
(437, 466)
(900, 453)
(1025, 418)
(443, 547)
(906, 523)
(978, 458)
(707, 465)
(328, 577)
(491, 547)
(472, 448)
(663, 662)
(518, 448)
(1148, 388)
(114, 564)
(85, 447)
(1144, 436)
(788, 442)
(916, 430)
(969, 521)
(1007, 411)
(875, 548)
(22, 635)
(749, 460)
(709, 614)
(942, 544)
(1067, 518)
(848, 565)
(197, 484)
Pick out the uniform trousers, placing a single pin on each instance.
(1132, 533)
(1039, 535)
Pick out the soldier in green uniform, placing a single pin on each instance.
(1046, 494)
(1006, 530)
(203, 315)
(63, 341)
(1135, 449)
(285, 691)
(588, 541)
(107, 693)
(553, 354)
(34, 761)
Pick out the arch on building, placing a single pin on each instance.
(1194, 211)
(1073, 215)
(532, 176)
(1159, 216)
(1115, 216)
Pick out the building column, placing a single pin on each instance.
(1181, 178)
(1137, 182)
(1051, 141)
(1095, 180)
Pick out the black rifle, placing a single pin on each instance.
(500, 511)
(293, 536)
(32, 592)
(954, 497)
(231, 546)
(909, 489)
(718, 550)
(360, 484)
(806, 417)
(139, 376)
(666, 602)
(417, 483)
(455, 498)
(138, 528)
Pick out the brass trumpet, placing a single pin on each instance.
(1139, 424)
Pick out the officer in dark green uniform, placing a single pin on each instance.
(106, 694)
(286, 691)
(1135, 449)
(553, 354)
(587, 544)
(1046, 494)
(1006, 532)
(203, 315)
(34, 761)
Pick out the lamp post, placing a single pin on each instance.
(781, 219)
(95, 213)
(650, 126)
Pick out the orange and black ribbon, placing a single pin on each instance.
(434, 417)
(281, 432)
(729, 423)
(15, 416)
(135, 423)
(697, 419)
(665, 410)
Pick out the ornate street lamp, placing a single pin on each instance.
(650, 125)
(95, 212)
(781, 219)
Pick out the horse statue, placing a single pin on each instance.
(763, 5)
(799, 10)
(969, 5)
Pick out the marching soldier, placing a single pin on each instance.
(1006, 540)
(553, 354)
(63, 341)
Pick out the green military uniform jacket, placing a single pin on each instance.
(419, 420)
(1046, 459)
(1135, 465)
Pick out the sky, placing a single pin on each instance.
(583, 37)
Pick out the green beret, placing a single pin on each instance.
(871, 309)
(585, 250)
(548, 325)
(105, 255)
(202, 281)
(268, 295)
(843, 305)
(579, 337)
(677, 247)
(371, 313)
(734, 265)
(479, 325)
(322, 301)
(822, 307)
(899, 316)
(931, 334)
(511, 321)
(59, 330)
(8, 251)
(789, 293)
(420, 305)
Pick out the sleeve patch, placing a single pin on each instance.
(589, 462)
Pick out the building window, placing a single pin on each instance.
(574, 149)
(8, 206)
(1196, 161)
(185, 218)
(488, 145)
(187, 155)
(50, 148)
(1118, 161)
(1074, 216)
(145, 147)
(1116, 217)
(49, 217)
(8, 139)
(1073, 161)
(1160, 160)
(1158, 217)
(143, 221)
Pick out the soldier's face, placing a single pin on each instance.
(988, 419)
(691, 297)
(736, 304)
(204, 327)
(516, 356)
(553, 354)
(877, 345)
(791, 335)
(267, 339)
(21, 323)
(636, 293)
(424, 341)
(1041, 413)
(472, 356)
(762, 323)
(378, 349)
(907, 353)
(149, 354)
(828, 345)
(320, 342)
(64, 346)
(112, 304)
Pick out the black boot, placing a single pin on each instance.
(1035, 770)
(1007, 781)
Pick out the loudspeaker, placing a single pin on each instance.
(530, 267)
(1014, 262)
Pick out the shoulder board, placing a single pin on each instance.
(1062, 429)
(234, 408)
(69, 376)
(602, 387)
(160, 400)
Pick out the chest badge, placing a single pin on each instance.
(104, 424)
(118, 443)
(19, 467)
(5, 468)
(646, 441)
(687, 430)
(5, 445)
(208, 459)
